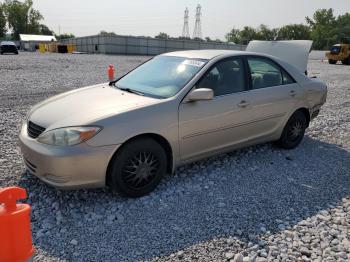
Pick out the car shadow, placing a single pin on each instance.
(245, 190)
(9, 54)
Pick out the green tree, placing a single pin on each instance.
(22, 18)
(198, 39)
(248, 34)
(343, 26)
(294, 32)
(265, 33)
(208, 39)
(2, 22)
(233, 36)
(44, 30)
(184, 38)
(323, 28)
(105, 33)
(64, 36)
(162, 35)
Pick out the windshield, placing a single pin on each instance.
(162, 76)
(335, 49)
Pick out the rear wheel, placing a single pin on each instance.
(294, 131)
(138, 168)
(332, 62)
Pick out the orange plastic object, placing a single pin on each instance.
(111, 72)
(15, 236)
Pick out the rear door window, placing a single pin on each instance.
(264, 73)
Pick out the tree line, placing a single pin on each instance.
(323, 28)
(21, 18)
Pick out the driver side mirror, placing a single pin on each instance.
(201, 94)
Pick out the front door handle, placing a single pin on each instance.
(243, 103)
(292, 93)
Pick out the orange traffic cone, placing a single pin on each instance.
(111, 72)
(15, 238)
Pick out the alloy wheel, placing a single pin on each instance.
(140, 169)
(295, 131)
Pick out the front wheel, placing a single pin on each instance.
(294, 131)
(332, 62)
(138, 168)
(346, 61)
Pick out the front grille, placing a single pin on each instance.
(34, 130)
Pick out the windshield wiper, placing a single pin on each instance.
(112, 83)
(131, 91)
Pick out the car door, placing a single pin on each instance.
(211, 125)
(273, 95)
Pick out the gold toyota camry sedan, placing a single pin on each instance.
(175, 108)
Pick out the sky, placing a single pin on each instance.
(149, 17)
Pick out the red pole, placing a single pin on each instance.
(16, 238)
(111, 72)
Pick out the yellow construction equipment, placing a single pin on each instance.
(340, 52)
(42, 48)
(71, 48)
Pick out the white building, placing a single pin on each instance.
(31, 42)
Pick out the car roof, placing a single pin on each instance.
(204, 54)
(7, 43)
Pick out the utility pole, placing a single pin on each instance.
(185, 29)
(198, 26)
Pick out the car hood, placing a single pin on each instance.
(85, 105)
(294, 52)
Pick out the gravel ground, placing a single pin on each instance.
(260, 203)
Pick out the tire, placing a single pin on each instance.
(332, 62)
(137, 168)
(346, 61)
(294, 131)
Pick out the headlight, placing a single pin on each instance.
(68, 136)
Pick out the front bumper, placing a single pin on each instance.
(79, 166)
(336, 57)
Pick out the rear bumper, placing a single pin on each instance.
(79, 166)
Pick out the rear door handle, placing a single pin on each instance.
(243, 103)
(292, 93)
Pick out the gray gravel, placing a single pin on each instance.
(259, 203)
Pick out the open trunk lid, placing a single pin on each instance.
(294, 52)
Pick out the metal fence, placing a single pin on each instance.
(131, 45)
